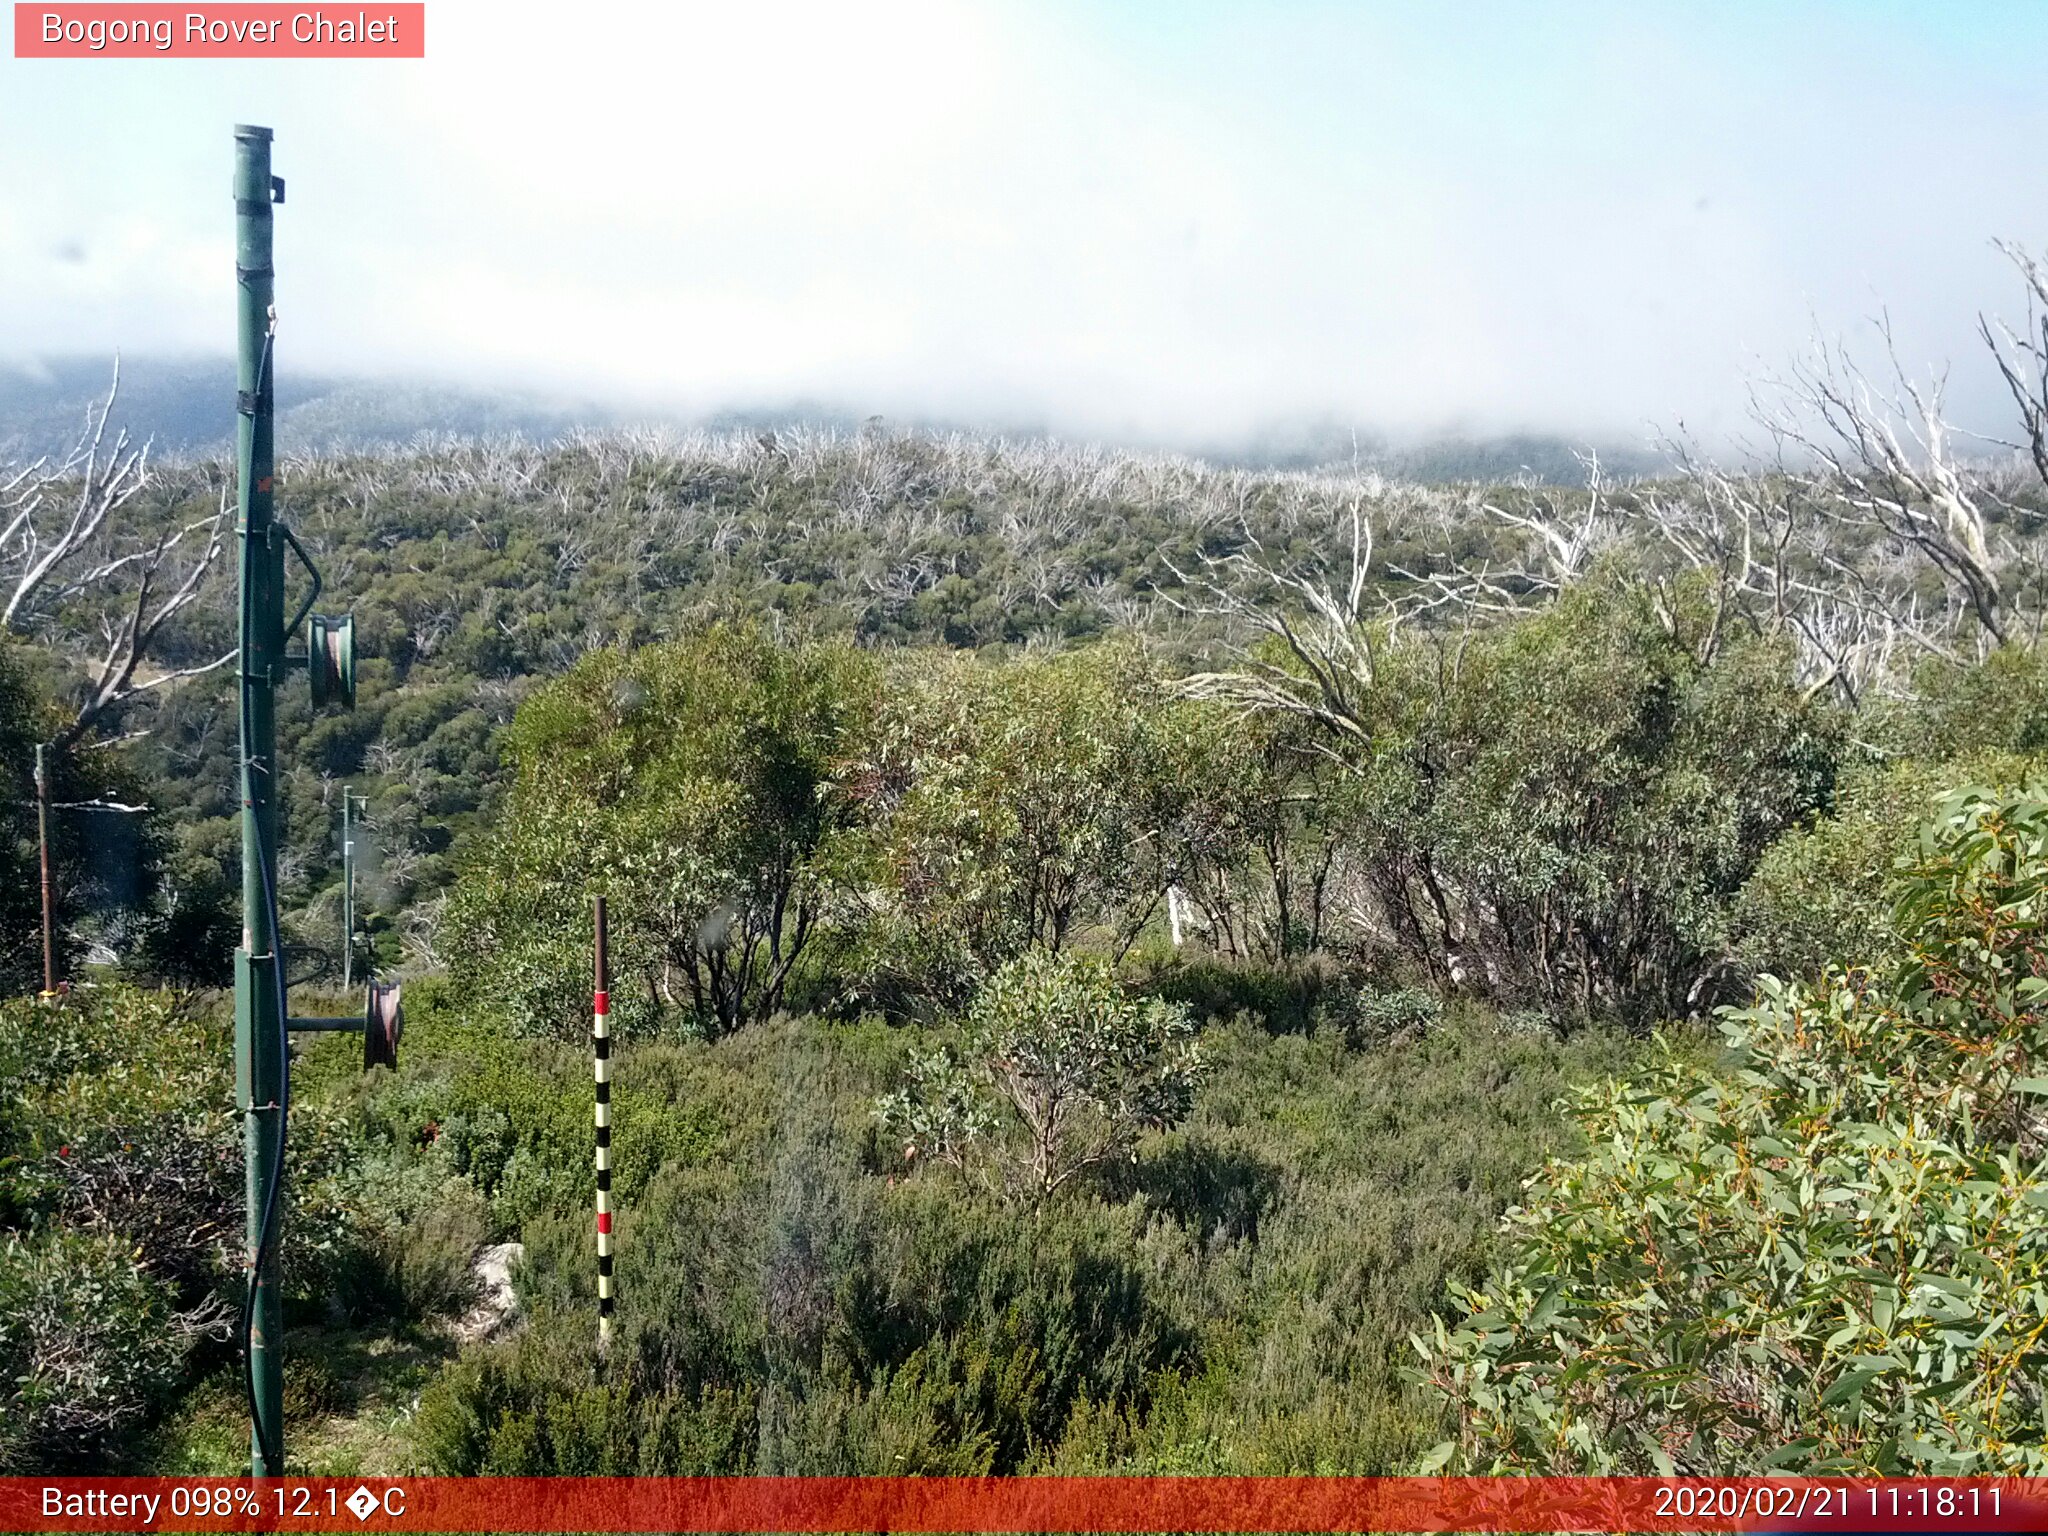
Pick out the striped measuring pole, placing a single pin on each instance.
(601, 1046)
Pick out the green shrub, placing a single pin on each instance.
(191, 939)
(1830, 1253)
(819, 1326)
(435, 1252)
(784, 1308)
(1258, 832)
(1392, 1014)
(533, 1406)
(1235, 1300)
(118, 1129)
(411, 1232)
(118, 1118)
(313, 1387)
(692, 783)
(1996, 705)
(90, 1345)
(1058, 1071)
(511, 1116)
(1558, 810)
(1010, 806)
(1285, 999)
(1820, 894)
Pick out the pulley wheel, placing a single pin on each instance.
(331, 660)
(383, 1026)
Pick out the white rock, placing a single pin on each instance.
(497, 1304)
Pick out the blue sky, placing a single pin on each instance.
(1185, 221)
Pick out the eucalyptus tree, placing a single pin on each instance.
(694, 784)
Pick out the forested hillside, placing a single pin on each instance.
(474, 568)
(1098, 944)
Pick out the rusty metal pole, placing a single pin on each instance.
(43, 843)
(348, 892)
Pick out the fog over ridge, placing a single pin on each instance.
(1202, 228)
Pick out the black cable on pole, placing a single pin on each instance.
(271, 1437)
(266, 1241)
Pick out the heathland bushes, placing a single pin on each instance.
(120, 1174)
(1056, 1071)
(1828, 1253)
(794, 1297)
(121, 1193)
(1008, 807)
(694, 783)
(1555, 812)
(767, 817)
(835, 1327)
(1559, 811)
(1607, 809)
(1821, 895)
(90, 1343)
(119, 1119)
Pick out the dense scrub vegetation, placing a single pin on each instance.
(1098, 946)
(1301, 1179)
(1828, 1251)
(120, 1216)
(476, 570)
(798, 1298)
(795, 1298)
(1563, 822)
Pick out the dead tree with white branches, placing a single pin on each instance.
(1770, 563)
(1880, 461)
(2022, 357)
(1323, 629)
(1877, 536)
(65, 546)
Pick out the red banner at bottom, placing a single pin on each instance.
(935, 1504)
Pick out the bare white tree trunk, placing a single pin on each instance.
(61, 541)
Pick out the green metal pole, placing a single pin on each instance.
(259, 1027)
(348, 894)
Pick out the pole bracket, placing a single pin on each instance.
(381, 1024)
(346, 1023)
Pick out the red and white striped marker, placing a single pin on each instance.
(601, 1045)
